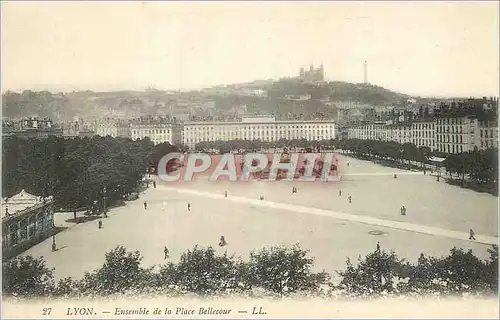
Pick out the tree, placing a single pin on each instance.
(283, 270)
(121, 271)
(201, 271)
(27, 276)
(378, 272)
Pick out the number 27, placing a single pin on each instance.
(46, 311)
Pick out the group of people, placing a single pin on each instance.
(349, 198)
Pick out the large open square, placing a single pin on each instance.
(438, 218)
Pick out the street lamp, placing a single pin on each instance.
(104, 202)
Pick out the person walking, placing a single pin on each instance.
(395, 176)
(189, 206)
(340, 193)
(225, 194)
(471, 235)
(154, 184)
(100, 224)
(403, 211)
(145, 205)
(222, 241)
(350, 199)
(165, 251)
(378, 246)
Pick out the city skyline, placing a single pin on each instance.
(426, 49)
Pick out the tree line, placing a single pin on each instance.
(77, 172)
(275, 271)
(479, 166)
(240, 144)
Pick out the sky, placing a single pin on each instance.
(419, 48)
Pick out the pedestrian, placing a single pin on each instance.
(222, 241)
(261, 197)
(100, 224)
(340, 193)
(347, 163)
(145, 205)
(403, 211)
(378, 246)
(471, 235)
(74, 214)
(395, 176)
(350, 199)
(189, 206)
(154, 184)
(165, 251)
(225, 194)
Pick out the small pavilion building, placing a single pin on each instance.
(26, 220)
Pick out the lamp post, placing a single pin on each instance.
(104, 202)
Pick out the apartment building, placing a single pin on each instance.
(487, 136)
(444, 134)
(112, 127)
(400, 133)
(424, 133)
(456, 134)
(373, 131)
(157, 130)
(264, 128)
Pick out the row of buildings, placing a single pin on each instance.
(451, 134)
(189, 133)
(31, 128)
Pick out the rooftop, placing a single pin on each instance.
(21, 202)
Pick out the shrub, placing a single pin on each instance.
(379, 272)
(121, 271)
(202, 271)
(27, 276)
(282, 270)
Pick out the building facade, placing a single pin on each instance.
(157, 130)
(456, 134)
(443, 134)
(264, 128)
(487, 136)
(112, 127)
(424, 133)
(26, 220)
